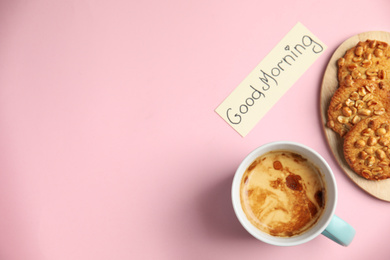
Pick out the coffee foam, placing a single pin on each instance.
(282, 193)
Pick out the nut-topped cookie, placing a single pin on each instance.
(352, 103)
(367, 60)
(367, 148)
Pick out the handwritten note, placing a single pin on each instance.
(267, 83)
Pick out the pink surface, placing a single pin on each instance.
(109, 144)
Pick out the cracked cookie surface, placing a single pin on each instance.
(367, 148)
(353, 102)
(369, 59)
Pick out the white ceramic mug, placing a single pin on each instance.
(329, 224)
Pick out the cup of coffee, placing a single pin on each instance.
(285, 194)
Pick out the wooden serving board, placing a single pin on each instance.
(378, 189)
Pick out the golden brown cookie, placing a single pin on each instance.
(352, 103)
(367, 148)
(367, 60)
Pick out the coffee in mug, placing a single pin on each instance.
(285, 194)
(282, 193)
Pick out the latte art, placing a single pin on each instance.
(282, 193)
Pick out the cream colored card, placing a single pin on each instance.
(267, 83)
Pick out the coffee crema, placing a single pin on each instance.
(282, 193)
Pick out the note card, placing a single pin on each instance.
(267, 83)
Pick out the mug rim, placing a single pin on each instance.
(331, 193)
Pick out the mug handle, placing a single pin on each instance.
(339, 231)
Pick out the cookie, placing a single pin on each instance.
(367, 60)
(352, 103)
(367, 148)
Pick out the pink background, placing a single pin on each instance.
(109, 144)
